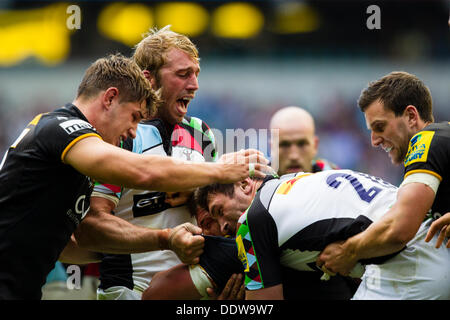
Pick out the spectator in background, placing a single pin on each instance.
(297, 142)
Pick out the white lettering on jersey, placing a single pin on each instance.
(79, 209)
(71, 126)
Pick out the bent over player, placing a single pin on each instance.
(290, 220)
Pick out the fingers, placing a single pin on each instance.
(234, 289)
(441, 225)
(441, 237)
(432, 231)
(260, 171)
(244, 156)
(327, 271)
(256, 158)
(186, 242)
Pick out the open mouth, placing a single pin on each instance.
(183, 105)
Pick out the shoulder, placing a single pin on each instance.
(432, 139)
(148, 135)
(194, 124)
(195, 134)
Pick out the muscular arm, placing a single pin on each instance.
(109, 164)
(74, 254)
(388, 235)
(103, 232)
(271, 293)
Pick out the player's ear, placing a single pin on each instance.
(412, 115)
(148, 75)
(109, 95)
(316, 143)
(245, 185)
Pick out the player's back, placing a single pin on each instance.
(301, 213)
(336, 195)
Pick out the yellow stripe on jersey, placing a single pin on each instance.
(70, 145)
(36, 119)
(241, 253)
(26, 130)
(423, 171)
(285, 187)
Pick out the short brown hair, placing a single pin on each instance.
(201, 195)
(150, 53)
(120, 72)
(396, 91)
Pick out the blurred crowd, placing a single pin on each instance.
(344, 138)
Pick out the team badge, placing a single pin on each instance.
(419, 147)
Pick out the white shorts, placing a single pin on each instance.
(419, 272)
(118, 293)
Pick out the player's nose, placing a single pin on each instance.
(375, 139)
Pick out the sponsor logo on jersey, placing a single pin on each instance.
(419, 147)
(285, 187)
(149, 203)
(74, 125)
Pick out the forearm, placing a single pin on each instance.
(380, 239)
(111, 234)
(73, 254)
(397, 227)
(169, 174)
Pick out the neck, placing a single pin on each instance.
(87, 107)
(257, 184)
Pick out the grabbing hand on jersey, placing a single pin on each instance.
(186, 242)
(441, 225)
(335, 258)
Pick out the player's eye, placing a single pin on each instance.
(284, 144)
(378, 128)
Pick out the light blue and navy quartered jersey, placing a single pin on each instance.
(190, 140)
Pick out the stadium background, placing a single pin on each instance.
(256, 57)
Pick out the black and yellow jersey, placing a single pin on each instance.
(42, 200)
(429, 152)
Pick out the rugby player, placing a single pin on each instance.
(289, 221)
(398, 112)
(296, 150)
(46, 175)
(170, 61)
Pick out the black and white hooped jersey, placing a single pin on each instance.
(293, 218)
(42, 200)
(429, 152)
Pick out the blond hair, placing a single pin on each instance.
(150, 53)
(120, 72)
